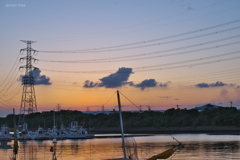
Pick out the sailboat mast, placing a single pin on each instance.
(54, 156)
(121, 124)
(54, 118)
(15, 144)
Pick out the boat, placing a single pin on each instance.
(5, 134)
(24, 134)
(54, 133)
(166, 154)
(39, 134)
(77, 132)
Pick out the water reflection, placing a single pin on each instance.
(196, 146)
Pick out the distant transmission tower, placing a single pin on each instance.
(58, 107)
(28, 102)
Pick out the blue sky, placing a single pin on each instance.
(176, 46)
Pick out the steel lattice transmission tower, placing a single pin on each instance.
(28, 102)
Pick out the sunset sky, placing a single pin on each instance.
(157, 53)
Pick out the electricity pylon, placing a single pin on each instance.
(28, 102)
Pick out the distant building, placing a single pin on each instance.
(206, 106)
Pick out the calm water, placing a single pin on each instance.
(197, 146)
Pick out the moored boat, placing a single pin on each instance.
(5, 133)
(77, 132)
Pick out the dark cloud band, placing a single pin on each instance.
(217, 84)
(120, 78)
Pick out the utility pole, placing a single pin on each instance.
(149, 108)
(177, 106)
(58, 107)
(103, 110)
(28, 102)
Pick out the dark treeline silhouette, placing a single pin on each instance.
(222, 116)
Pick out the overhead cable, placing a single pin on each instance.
(111, 48)
(145, 68)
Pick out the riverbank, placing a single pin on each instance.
(165, 130)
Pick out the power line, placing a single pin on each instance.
(143, 56)
(10, 80)
(117, 47)
(14, 80)
(145, 68)
(191, 60)
(10, 92)
(221, 74)
(13, 67)
(191, 65)
(162, 43)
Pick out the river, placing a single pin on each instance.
(196, 147)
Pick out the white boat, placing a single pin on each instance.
(55, 133)
(77, 132)
(5, 133)
(39, 134)
(24, 134)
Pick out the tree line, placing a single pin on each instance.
(222, 116)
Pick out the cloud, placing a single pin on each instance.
(89, 84)
(147, 83)
(166, 97)
(117, 79)
(217, 84)
(114, 80)
(202, 85)
(120, 78)
(164, 84)
(38, 79)
(151, 83)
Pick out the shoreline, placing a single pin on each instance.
(166, 130)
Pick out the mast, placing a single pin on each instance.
(15, 144)
(54, 123)
(54, 156)
(121, 124)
